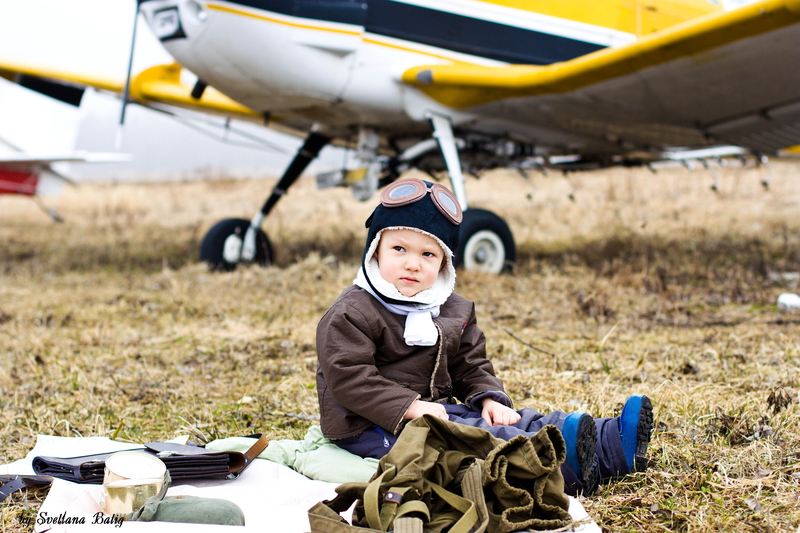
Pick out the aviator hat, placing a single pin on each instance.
(422, 214)
(417, 211)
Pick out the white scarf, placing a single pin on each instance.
(420, 329)
(421, 308)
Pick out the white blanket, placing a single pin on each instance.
(274, 498)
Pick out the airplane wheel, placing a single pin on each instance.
(228, 235)
(486, 243)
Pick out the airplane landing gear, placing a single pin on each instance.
(486, 243)
(222, 245)
(235, 240)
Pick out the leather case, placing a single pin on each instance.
(182, 462)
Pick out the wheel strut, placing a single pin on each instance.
(443, 133)
(486, 241)
(232, 241)
(311, 148)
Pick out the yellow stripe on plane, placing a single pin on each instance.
(226, 9)
(416, 51)
(156, 84)
(466, 86)
(792, 150)
(637, 17)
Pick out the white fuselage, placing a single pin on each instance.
(304, 71)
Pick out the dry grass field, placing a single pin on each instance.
(626, 282)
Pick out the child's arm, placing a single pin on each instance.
(471, 372)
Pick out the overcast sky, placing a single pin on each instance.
(94, 36)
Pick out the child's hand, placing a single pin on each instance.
(419, 408)
(497, 414)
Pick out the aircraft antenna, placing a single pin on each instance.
(126, 92)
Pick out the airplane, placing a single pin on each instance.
(34, 142)
(32, 175)
(470, 85)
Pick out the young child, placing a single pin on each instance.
(400, 343)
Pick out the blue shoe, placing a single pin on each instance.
(635, 428)
(580, 436)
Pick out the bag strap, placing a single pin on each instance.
(414, 506)
(251, 454)
(256, 449)
(383, 515)
(323, 519)
(13, 483)
(469, 514)
(371, 496)
(393, 510)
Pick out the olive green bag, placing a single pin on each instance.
(192, 510)
(442, 476)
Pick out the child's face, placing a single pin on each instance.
(409, 260)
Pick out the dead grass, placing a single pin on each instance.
(642, 284)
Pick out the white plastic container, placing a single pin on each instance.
(789, 301)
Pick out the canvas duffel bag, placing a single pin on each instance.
(442, 476)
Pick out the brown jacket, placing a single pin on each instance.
(368, 375)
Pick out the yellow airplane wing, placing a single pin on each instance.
(10, 70)
(730, 77)
(163, 84)
(159, 84)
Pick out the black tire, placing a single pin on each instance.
(211, 249)
(486, 243)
